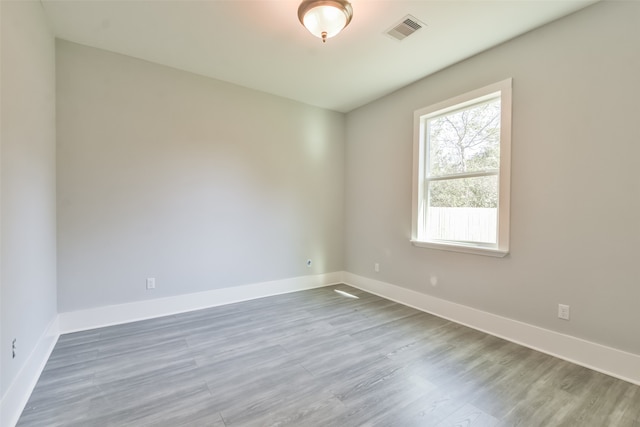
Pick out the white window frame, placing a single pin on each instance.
(501, 247)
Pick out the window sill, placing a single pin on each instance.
(476, 250)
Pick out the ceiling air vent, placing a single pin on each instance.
(407, 26)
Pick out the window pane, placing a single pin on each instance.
(466, 140)
(463, 209)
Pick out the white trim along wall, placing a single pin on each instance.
(607, 360)
(98, 317)
(17, 395)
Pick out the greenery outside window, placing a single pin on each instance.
(462, 151)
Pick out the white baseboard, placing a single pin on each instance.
(18, 393)
(123, 313)
(610, 361)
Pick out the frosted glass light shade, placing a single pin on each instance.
(325, 18)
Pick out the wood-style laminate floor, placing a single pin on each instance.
(316, 358)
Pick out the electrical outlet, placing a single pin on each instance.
(151, 283)
(563, 311)
(376, 267)
(13, 348)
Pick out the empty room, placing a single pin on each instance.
(238, 213)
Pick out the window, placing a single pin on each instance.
(462, 150)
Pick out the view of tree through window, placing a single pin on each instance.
(461, 142)
(463, 159)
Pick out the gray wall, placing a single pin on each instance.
(196, 182)
(575, 234)
(27, 174)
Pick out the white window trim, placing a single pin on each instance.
(504, 182)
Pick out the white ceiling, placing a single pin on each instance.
(261, 45)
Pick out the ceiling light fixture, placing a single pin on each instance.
(325, 18)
